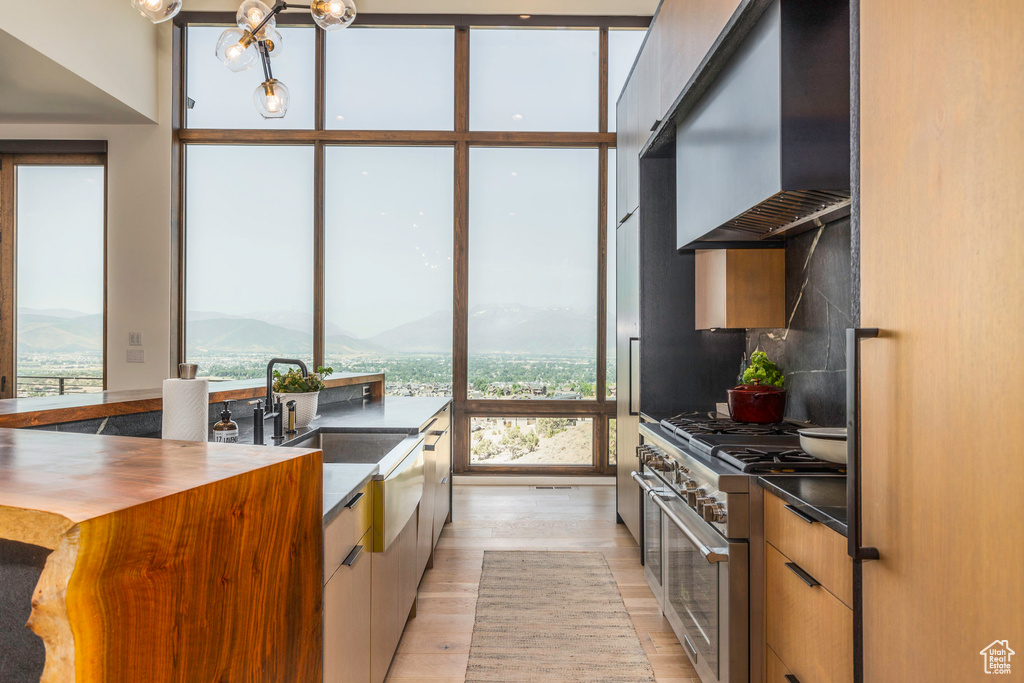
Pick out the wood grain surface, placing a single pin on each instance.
(942, 276)
(42, 411)
(173, 561)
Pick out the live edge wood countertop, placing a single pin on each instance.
(41, 411)
(170, 560)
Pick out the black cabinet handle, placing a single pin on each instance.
(801, 514)
(445, 480)
(804, 576)
(355, 499)
(792, 679)
(854, 548)
(352, 556)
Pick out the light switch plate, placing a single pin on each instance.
(136, 355)
(134, 339)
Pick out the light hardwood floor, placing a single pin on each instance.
(435, 645)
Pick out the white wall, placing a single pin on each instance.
(138, 229)
(106, 42)
(139, 245)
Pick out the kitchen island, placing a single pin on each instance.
(159, 560)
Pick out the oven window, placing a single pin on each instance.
(692, 592)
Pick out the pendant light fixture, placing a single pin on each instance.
(256, 38)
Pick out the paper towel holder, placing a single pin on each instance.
(187, 370)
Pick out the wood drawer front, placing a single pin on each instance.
(807, 627)
(347, 621)
(777, 671)
(819, 550)
(345, 530)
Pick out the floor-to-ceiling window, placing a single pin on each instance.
(437, 209)
(53, 209)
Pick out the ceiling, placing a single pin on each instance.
(581, 7)
(39, 90)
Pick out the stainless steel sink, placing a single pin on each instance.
(352, 447)
(398, 486)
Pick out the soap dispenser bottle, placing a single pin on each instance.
(225, 431)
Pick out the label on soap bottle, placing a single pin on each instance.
(226, 436)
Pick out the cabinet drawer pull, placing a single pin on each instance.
(801, 514)
(352, 556)
(790, 678)
(355, 499)
(445, 480)
(804, 576)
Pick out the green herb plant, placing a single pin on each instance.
(763, 370)
(292, 382)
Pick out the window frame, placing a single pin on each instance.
(14, 153)
(461, 139)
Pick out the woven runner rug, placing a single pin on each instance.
(554, 616)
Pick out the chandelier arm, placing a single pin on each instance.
(273, 13)
(265, 58)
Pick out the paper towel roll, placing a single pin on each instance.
(186, 409)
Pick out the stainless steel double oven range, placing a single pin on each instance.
(702, 516)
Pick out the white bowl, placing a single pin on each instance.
(827, 443)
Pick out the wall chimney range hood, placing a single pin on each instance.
(766, 151)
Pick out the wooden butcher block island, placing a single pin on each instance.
(158, 560)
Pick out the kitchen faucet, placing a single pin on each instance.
(270, 412)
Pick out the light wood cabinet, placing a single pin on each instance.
(344, 531)
(816, 548)
(808, 587)
(809, 628)
(442, 484)
(941, 248)
(347, 619)
(425, 516)
(776, 671)
(740, 288)
(393, 585)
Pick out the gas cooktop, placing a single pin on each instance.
(750, 448)
(688, 425)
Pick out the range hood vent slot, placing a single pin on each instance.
(791, 212)
(766, 150)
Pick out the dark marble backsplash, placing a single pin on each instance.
(820, 305)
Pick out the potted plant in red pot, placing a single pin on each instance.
(760, 398)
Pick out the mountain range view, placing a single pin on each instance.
(493, 329)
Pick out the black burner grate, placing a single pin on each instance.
(760, 459)
(697, 424)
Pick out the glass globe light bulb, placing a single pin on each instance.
(331, 15)
(251, 13)
(157, 11)
(271, 98)
(236, 49)
(273, 42)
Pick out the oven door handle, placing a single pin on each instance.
(638, 478)
(712, 555)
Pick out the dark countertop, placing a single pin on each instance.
(341, 483)
(407, 415)
(822, 497)
(388, 415)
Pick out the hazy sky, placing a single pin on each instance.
(389, 212)
(60, 237)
